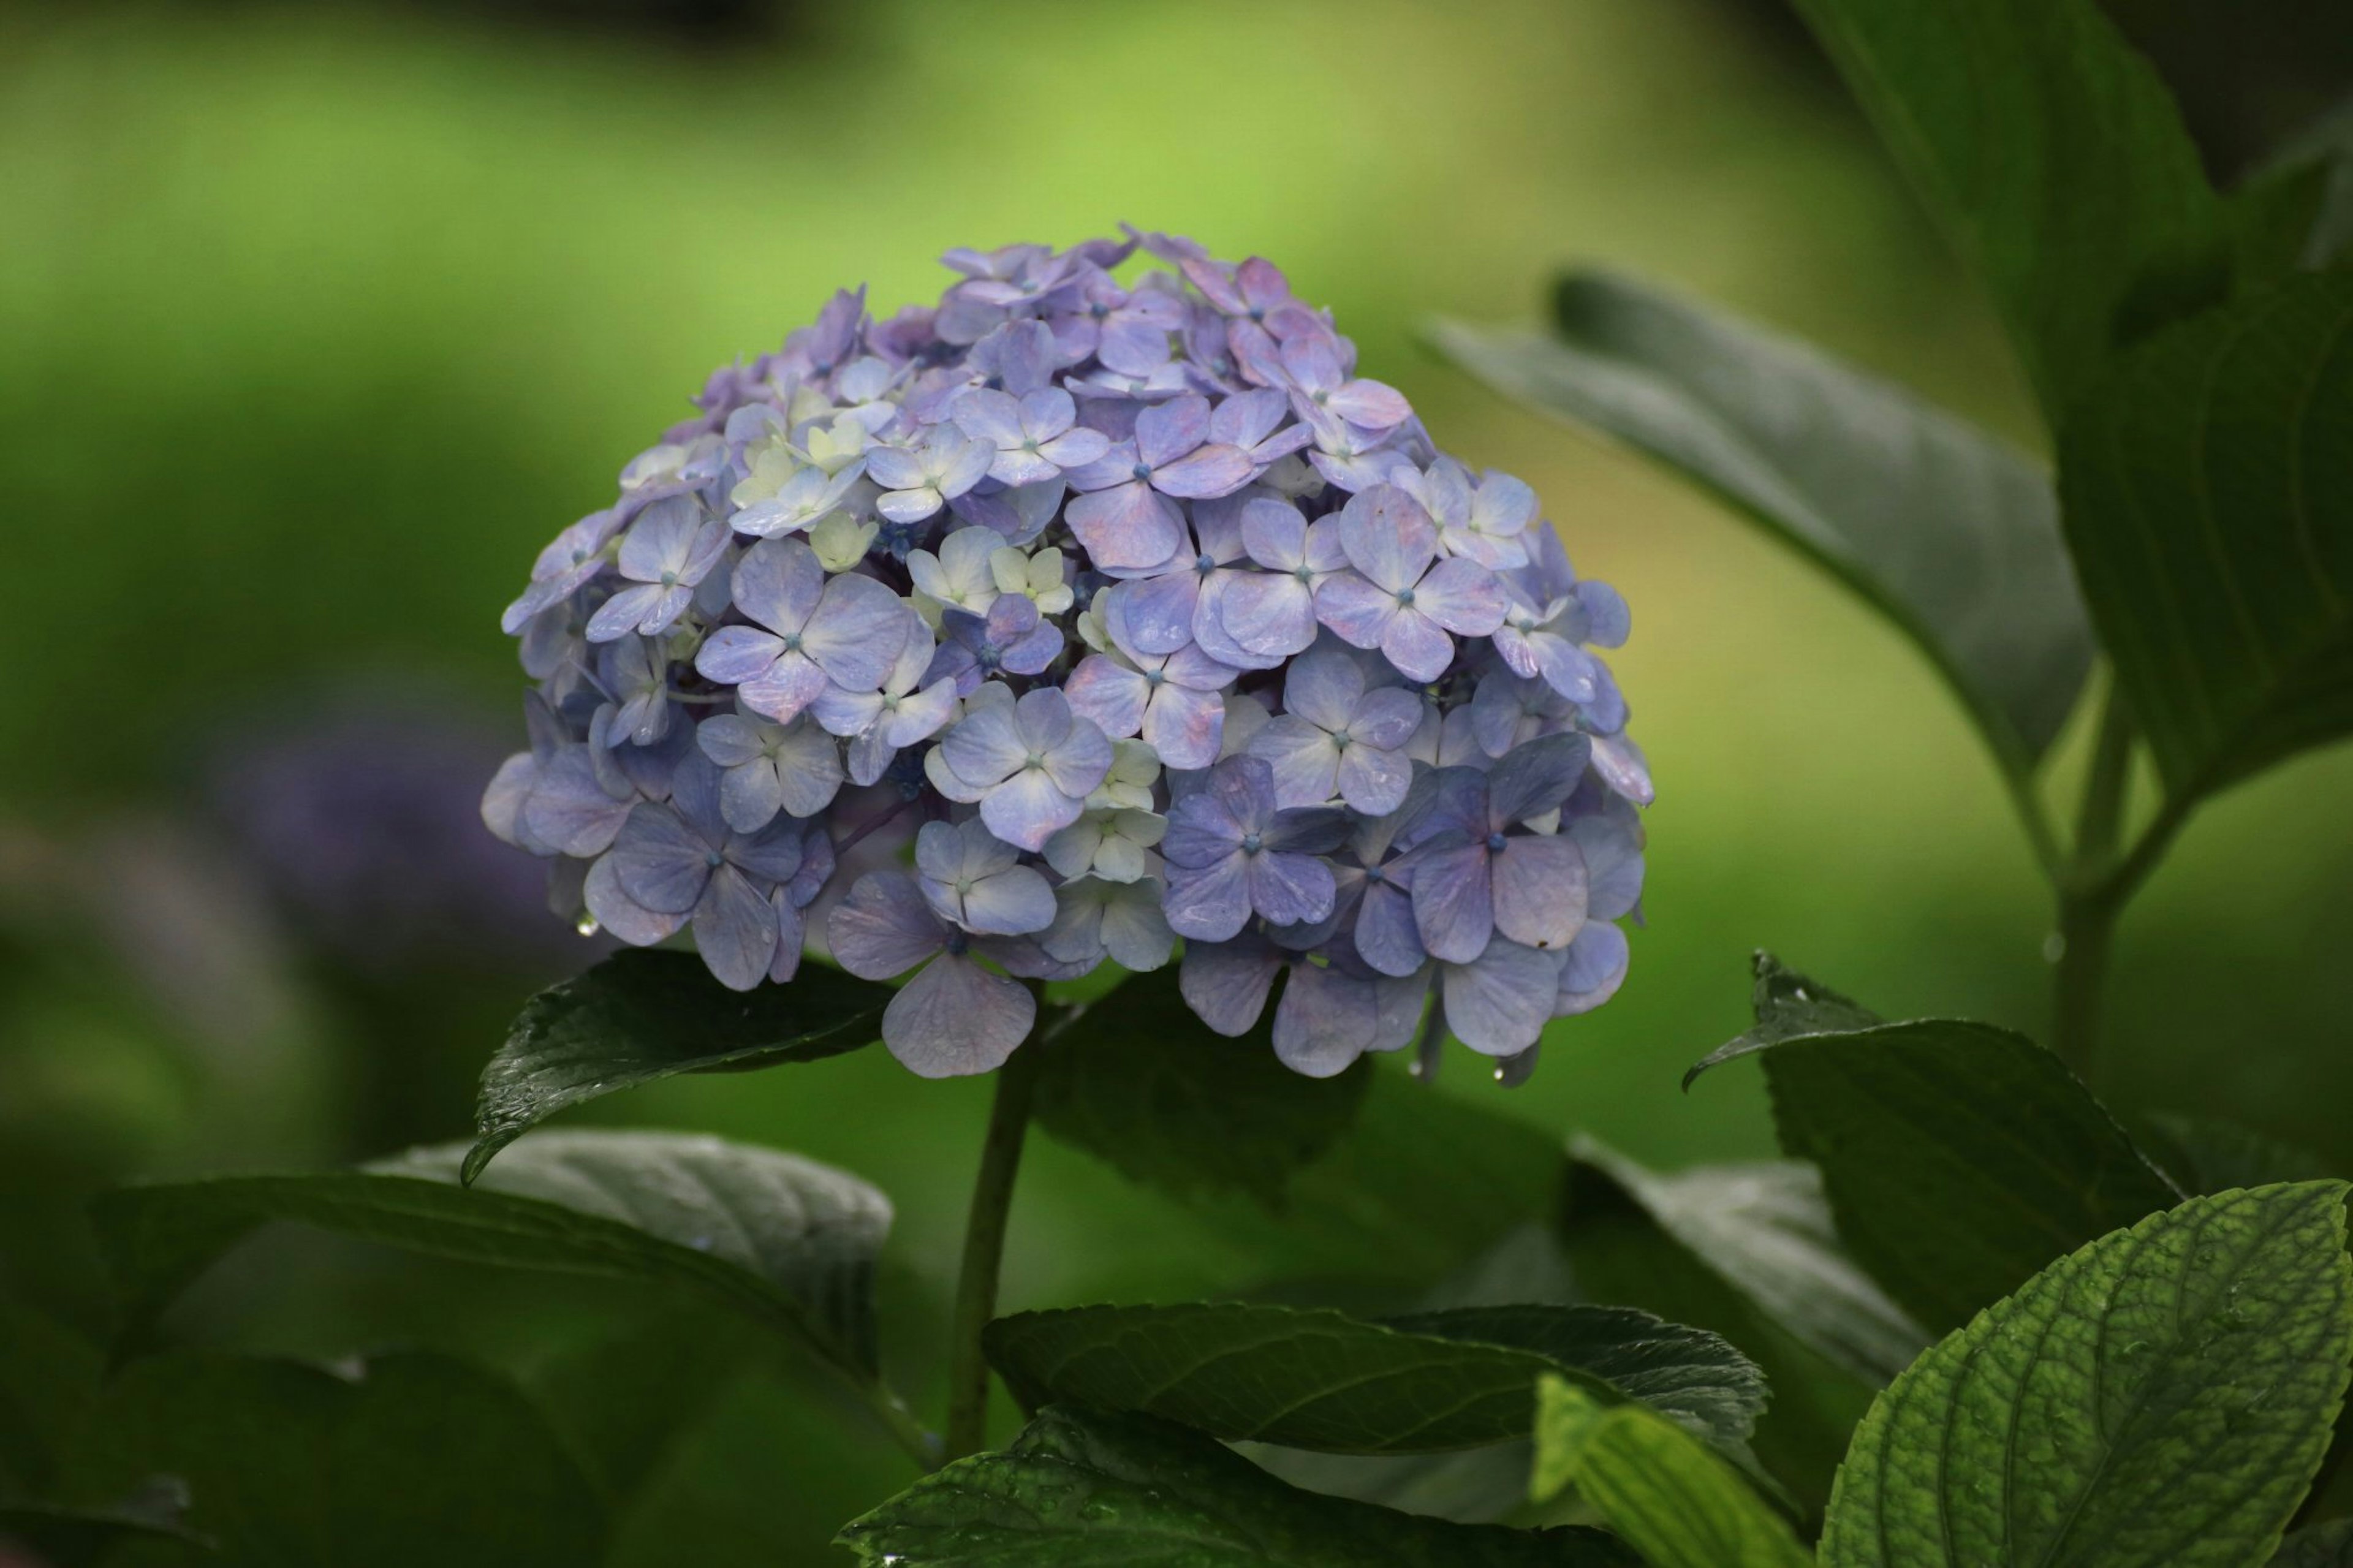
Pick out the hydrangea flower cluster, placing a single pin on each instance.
(1062, 620)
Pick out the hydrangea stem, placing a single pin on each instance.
(984, 1249)
(2090, 897)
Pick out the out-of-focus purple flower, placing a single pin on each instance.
(976, 881)
(809, 630)
(1400, 598)
(1034, 438)
(1474, 877)
(1336, 739)
(1233, 853)
(1030, 763)
(920, 480)
(766, 767)
(682, 857)
(1127, 515)
(1012, 638)
(953, 1018)
(669, 550)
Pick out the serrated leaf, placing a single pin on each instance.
(1944, 530)
(1656, 1487)
(1312, 1378)
(2161, 1397)
(2210, 509)
(1140, 1082)
(645, 1015)
(786, 1240)
(1087, 1490)
(1958, 1158)
(2053, 156)
(414, 1458)
(2327, 1545)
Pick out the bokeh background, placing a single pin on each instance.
(315, 322)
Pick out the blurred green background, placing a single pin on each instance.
(315, 323)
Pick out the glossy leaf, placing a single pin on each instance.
(1656, 1486)
(1317, 1379)
(2161, 1396)
(2327, 1545)
(788, 1241)
(1958, 1158)
(2054, 158)
(1944, 530)
(412, 1458)
(643, 1015)
(1084, 1490)
(2210, 509)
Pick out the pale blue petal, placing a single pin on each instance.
(1593, 970)
(883, 928)
(735, 929)
(1539, 890)
(1208, 903)
(1226, 983)
(1498, 1005)
(956, 1018)
(1453, 905)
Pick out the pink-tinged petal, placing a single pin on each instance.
(662, 864)
(1131, 527)
(732, 655)
(777, 584)
(1268, 615)
(1027, 809)
(1195, 669)
(857, 632)
(1387, 537)
(1205, 473)
(1310, 362)
(1622, 765)
(1374, 405)
(1042, 718)
(1462, 597)
(735, 929)
(956, 1018)
(1226, 983)
(1216, 284)
(1263, 285)
(1539, 890)
(1208, 903)
(1291, 890)
(1305, 762)
(1012, 902)
(1359, 612)
(1593, 970)
(1387, 937)
(1416, 645)
(1185, 727)
(1372, 781)
(1132, 346)
(1325, 1021)
(622, 915)
(784, 688)
(1167, 431)
(1156, 612)
(883, 928)
(1498, 1005)
(1246, 418)
(1324, 688)
(1108, 693)
(1453, 908)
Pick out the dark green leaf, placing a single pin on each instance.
(63, 1537)
(643, 1015)
(2327, 1545)
(1089, 1490)
(49, 1376)
(2210, 509)
(1958, 1158)
(413, 1459)
(1670, 1499)
(1944, 530)
(2207, 1154)
(1140, 1082)
(2161, 1396)
(2305, 193)
(2054, 157)
(626, 1399)
(786, 1240)
(1317, 1379)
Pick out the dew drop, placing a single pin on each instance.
(587, 925)
(1096, 1512)
(2054, 948)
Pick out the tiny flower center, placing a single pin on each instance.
(1141, 470)
(1155, 677)
(670, 579)
(792, 642)
(1405, 597)
(1035, 760)
(1494, 844)
(1375, 874)
(1251, 843)
(712, 860)
(956, 944)
(1203, 565)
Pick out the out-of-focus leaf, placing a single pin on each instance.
(1317, 1379)
(625, 1399)
(785, 1239)
(2162, 1395)
(2299, 206)
(63, 1537)
(1958, 1158)
(2053, 156)
(643, 1015)
(1141, 1083)
(2210, 509)
(1941, 528)
(1664, 1492)
(49, 1376)
(1086, 1490)
(2207, 1154)
(2327, 1545)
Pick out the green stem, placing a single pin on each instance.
(2089, 902)
(984, 1249)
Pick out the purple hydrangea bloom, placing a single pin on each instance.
(1084, 612)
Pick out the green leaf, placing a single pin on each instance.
(1941, 528)
(2161, 1396)
(1316, 1379)
(1665, 1493)
(1764, 1230)
(49, 1376)
(2207, 1154)
(1140, 1082)
(2210, 513)
(412, 1459)
(2053, 156)
(2305, 193)
(2327, 1545)
(645, 1015)
(1083, 1489)
(64, 1537)
(787, 1241)
(1958, 1158)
